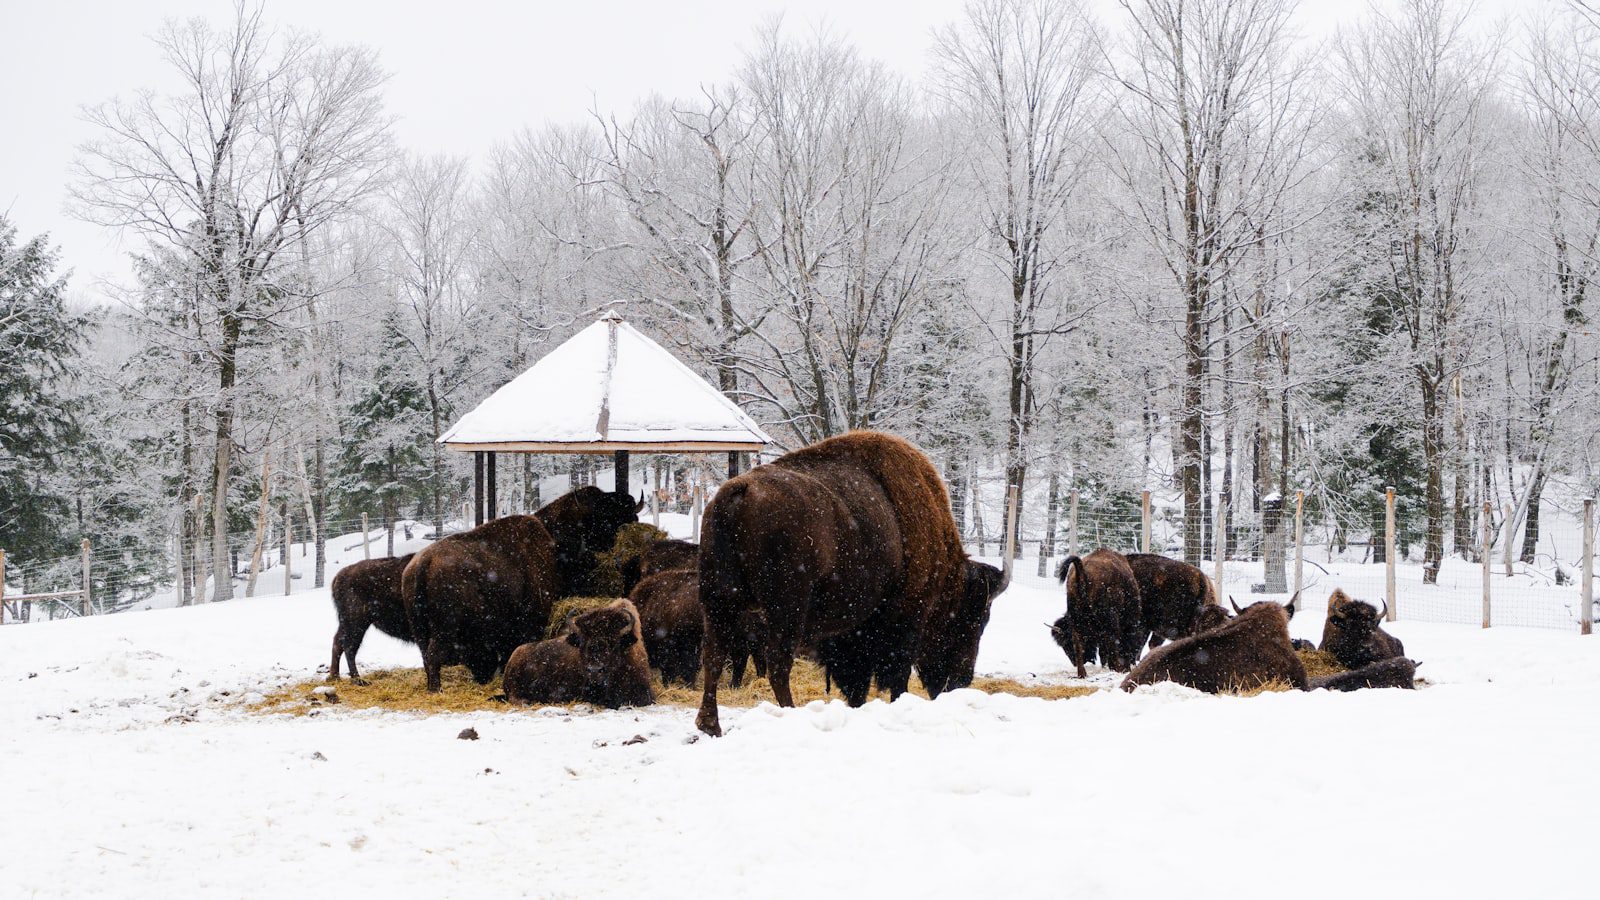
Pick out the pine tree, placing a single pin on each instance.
(385, 458)
(39, 420)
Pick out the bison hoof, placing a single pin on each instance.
(359, 682)
(708, 725)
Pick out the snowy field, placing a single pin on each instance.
(132, 770)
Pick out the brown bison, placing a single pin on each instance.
(1103, 611)
(601, 661)
(1249, 651)
(847, 545)
(1396, 672)
(659, 556)
(473, 598)
(674, 627)
(1353, 633)
(365, 594)
(1172, 596)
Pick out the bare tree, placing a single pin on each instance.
(1020, 74)
(268, 141)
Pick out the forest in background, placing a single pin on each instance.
(1183, 249)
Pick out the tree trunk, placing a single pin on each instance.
(263, 517)
(227, 356)
(1530, 529)
(1433, 455)
(1052, 514)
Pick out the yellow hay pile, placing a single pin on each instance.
(405, 690)
(1319, 663)
(631, 541)
(558, 612)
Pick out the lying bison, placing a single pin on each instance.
(1353, 633)
(846, 545)
(1210, 616)
(473, 598)
(602, 660)
(1397, 672)
(1252, 649)
(1103, 611)
(659, 556)
(674, 628)
(1172, 596)
(365, 594)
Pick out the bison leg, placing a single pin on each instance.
(1077, 654)
(738, 660)
(779, 678)
(338, 650)
(431, 657)
(351, 648)
(711, 659)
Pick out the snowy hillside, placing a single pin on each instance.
(133, 770)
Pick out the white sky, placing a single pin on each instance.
(465, 73)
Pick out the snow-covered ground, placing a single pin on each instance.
(131, 770)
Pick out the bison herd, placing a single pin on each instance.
(844, 551)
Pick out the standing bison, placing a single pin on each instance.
(473, 598)
(847, 545)
(1353, 633)
(1252, 649)
(674, 628)
(1172, 596)
(1103, 614)
(365, 594)
(658, 556)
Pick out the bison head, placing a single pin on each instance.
(583, 523)
(1353, 620)
(1209, 616)
(605, 638)
(953, 654)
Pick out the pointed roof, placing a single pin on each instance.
(607, 388)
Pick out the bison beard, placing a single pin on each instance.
(1252, 649)
(1353, 633)
(846, 545)
(473, 598)
(1103, 611)
(1172, 596)
(365, 594)
(1398, 672)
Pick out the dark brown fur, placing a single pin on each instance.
(583, 523)
(1397, 672)
(367, 594)
(1172, 595)
(659, 556)
(601, 660)
(1250, 650)
(546, 672)
(1210, 616)
(473, 598)
(673, 626)
(1353, 633)
(847, 544)
(1103, 616)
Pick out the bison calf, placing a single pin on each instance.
(365, 594)
(672, 622)
(1353, 633)
(601, 661)
(1398, 672)
(1252, 649)
(1103, 611)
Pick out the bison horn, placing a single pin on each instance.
(1384, 615)
(1235, 603)
(1005, 578)
(1290, 606)
(637, 507)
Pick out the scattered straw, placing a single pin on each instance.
(558, 612)
(1272, 686)
(405, 690)
(1319, 663)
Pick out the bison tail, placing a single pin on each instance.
(1065, 569)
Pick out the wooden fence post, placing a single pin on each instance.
(366, 538)
(1488, 555)
(1586, 617)
(694, 513)
(88, 607)
(1219, 542)
(2, 587)
(1299, 541)
(1144, 520)
(288, 549)
(1010, 542)
(1389, 552)
(1072, 526)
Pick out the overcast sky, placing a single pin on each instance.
(464, 73)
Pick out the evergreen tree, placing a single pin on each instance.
(39, 420)
(385, 454)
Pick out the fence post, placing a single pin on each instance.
(1219, 541)
(1072, 526)
(366, 538)
(88, 607)
(2, 587)
(1010, 543)
(1509, 541)
(1488, 555)
(288, 549)
(1144, 520)
(1586, 617)
(1389, 551)
(1299, 541)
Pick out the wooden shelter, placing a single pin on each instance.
(607, 389)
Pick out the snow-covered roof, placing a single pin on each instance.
(607, 388)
